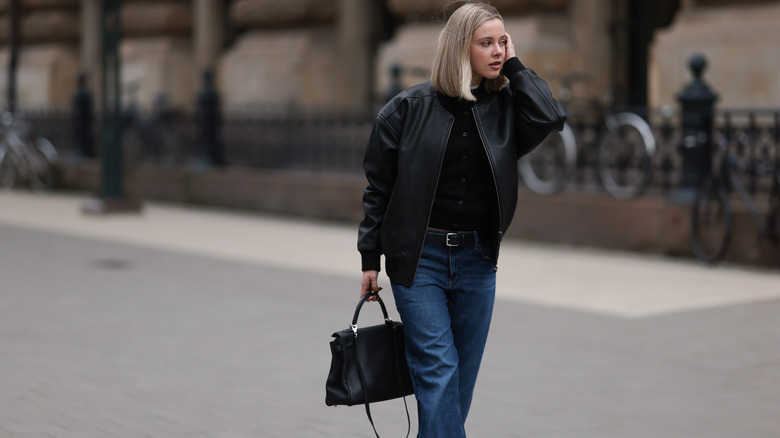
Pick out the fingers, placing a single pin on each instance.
(369, 284)
(510, 47)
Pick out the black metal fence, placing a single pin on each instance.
(752, 135)
(334, 140)
(267, 138)
(330, 140)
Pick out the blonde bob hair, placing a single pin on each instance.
(452, 74)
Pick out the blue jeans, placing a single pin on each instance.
(446, 315)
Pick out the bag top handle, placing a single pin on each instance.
(360, 304)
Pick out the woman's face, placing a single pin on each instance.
(488, 50)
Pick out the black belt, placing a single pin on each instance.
(451, 239)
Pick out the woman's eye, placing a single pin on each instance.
(485, 44)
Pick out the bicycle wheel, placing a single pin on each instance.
(41, 160)
(547, 169)
(625, 156)
(711, 221)
(7, 170)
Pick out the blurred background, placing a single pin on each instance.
(309, 53)
(189, 317)
(267, 104)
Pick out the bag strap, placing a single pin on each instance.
(397, 367)
(363, 300)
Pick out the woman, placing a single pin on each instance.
(441, 164)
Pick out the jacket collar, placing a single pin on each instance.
(456, 104)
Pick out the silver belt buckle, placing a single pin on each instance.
(447, 240)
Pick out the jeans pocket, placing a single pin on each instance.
(487, 252)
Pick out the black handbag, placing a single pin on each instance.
(368, 364)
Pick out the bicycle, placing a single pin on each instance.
(712, 215)
(624, 144)
(26, 155)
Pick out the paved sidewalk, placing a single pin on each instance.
(206, 323)
(627, 285)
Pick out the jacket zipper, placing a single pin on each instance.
(495, 184)
(436, 187)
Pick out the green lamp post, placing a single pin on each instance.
(111, 132)
(111, 196)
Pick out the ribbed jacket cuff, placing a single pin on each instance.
(513, 65)
(370, 261)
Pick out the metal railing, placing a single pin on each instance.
(754, 136)
(334, 141)
(314, 140)
(331, 140)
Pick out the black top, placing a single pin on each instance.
(465, 194)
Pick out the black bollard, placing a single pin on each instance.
(209, 120)
(697, 117)
(82, 118)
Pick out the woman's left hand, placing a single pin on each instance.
(369, 283)
(510, 48)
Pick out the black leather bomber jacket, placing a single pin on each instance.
(404, 156)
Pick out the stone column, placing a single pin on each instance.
(90, 46)
(157, 52)
(590, 50)
(739, 38)
(207, 33)
(48, 59)
(354, 52)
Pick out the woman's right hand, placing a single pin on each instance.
(369, 284)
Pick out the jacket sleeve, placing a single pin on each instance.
(380, 164)
(538, 113)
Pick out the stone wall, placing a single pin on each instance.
(314, 52)
(739, 40)
(286, 52)
(552, 37)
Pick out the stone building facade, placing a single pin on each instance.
(324, 52)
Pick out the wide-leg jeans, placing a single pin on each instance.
(446, 315)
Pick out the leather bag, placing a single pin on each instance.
(368, 364)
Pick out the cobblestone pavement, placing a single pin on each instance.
(183, 322)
